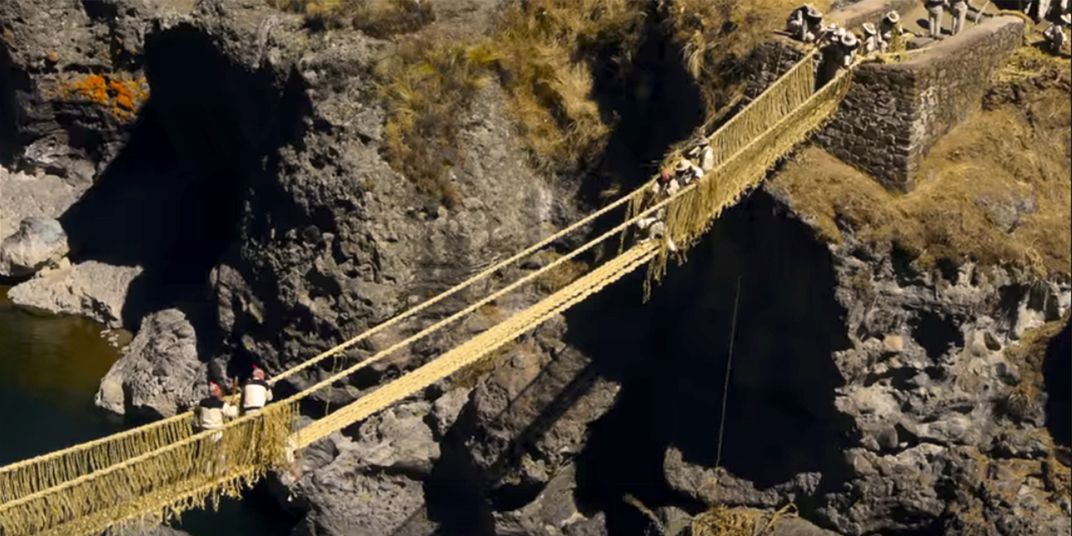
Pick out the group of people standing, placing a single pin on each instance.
(936, 12)
(840, 46)
(806, 24)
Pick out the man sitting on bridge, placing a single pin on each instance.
(256, 392)
(213, 411)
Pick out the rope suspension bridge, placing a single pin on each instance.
(152, 473)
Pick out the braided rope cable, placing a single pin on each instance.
(165, 459)
(47, 470)
(477, 347)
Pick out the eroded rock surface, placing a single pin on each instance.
(24, 196)
(372, 485)
(159, 373)
(92, 289)
(38, 243)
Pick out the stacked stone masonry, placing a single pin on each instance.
(772, 59)
(894, 113)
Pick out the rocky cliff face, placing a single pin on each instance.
(236, 158)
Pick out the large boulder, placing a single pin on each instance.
(38, 243)
(24, 196)
(159, 372)
(92, 289)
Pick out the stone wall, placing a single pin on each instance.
(894, 113)
(773, 58)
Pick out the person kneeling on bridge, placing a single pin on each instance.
(685, 171)
(213, 411)
(256, 392)
(1055, 36)
(655, 227)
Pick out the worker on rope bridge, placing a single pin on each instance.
(256, 392)
(214, 410)
(804, 23)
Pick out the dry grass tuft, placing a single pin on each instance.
(995, 190)
(542, 52)
(738, 521)
(550, 49)
(561, 275)
(1029, 355)
(425, 85)
(384, 18)
(378, 18)
(716, 37)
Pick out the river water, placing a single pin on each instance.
(49, 371)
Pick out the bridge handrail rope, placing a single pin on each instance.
(253, 444)
(25, 476)
(186, 456)
(194, 492)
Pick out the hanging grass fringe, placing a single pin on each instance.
(250, 446)
(724, 521)
(746, 148)
(153, 473)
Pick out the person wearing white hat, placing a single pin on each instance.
(686, 172)
(960, 15)
(873, 42)
(892, 32)
(849, 44)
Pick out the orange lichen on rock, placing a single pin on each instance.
(123, 97)
(92, 87)
(127, 95)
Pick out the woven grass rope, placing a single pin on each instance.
(153, 473)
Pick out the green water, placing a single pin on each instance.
(49, 371)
